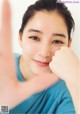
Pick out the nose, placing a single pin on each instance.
(45, 51)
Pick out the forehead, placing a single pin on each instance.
(51, 21)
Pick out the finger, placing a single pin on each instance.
(5, 35)
(7, 65)
(65, 50)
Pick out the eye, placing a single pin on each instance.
(57, 42)
(34, 38)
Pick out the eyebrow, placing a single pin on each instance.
(34, 30)
(57, 34)
(54, 34)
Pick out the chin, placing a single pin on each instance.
(39, 71)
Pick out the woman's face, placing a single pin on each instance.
(43, 35)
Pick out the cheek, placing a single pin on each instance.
(28, 49)
(66, 42)
(57, 47)
(54, 49)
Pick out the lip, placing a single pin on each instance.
(42, 64)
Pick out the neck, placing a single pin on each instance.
(25, 70)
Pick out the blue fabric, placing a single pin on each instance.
(54, 100)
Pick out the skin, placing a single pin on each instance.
(9, 85)
(66, 65)
(8, 79)
(39, 42)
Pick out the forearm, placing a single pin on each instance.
(74, 91)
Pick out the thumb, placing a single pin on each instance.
(35, 85)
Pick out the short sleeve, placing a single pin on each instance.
(66, 105)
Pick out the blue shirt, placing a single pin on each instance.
(54, 100)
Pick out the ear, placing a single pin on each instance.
(69, 42)
(20, 39)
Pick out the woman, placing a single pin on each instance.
(46, 27)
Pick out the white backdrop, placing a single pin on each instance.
(18, 8)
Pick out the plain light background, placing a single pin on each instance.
(18, 8)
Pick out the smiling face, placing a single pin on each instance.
(44, 33)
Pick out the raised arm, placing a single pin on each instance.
(13, 92)
(66, 65)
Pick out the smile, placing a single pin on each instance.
(42, 64)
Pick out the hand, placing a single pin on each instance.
(66, 66)
(12, 92)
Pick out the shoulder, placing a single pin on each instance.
(17, 62)
(59, 84)
(59, 88)
(60, 95)
(17, 57)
